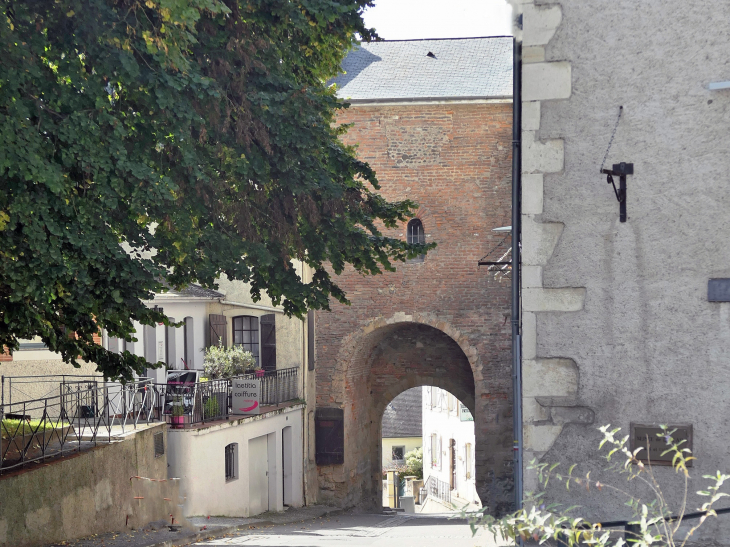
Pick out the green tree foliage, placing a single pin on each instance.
(154, 143)
(414, 463)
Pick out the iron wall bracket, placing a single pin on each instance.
(619, 170)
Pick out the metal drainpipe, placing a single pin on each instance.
(516, 260)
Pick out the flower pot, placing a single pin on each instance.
(178, 422)
(260, 373)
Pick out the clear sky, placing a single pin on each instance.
(410, 19)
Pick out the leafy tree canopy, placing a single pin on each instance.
(154, 143)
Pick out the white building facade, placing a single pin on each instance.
(448, 447)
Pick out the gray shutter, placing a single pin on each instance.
(218, 330)
(310, 340)
(170, 334)
(267, 324)
(189, 343)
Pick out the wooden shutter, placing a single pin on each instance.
(310, 340)
(218, 330)
(267, 324)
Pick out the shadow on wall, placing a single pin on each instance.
(90, 493)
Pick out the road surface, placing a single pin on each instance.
(357, 530)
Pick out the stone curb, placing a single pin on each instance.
(219, 532)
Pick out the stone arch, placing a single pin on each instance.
(381, 360)
(355, 342)
(361, 382)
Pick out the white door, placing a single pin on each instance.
(287, 463)
(258, 475)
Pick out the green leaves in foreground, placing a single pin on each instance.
(175, 140)
(655, 521)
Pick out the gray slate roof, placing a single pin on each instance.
(402, 417)
(402, 69)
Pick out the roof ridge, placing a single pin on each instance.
(433, 39)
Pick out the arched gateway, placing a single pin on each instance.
(387, 357)
(438, 320)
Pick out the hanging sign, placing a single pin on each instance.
(464, 414)
(246, 398)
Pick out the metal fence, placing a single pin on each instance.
(438, 489)
(82, 415)
(86, 411)
(26, 388)
(191, 404)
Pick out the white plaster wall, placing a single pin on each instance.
(630, 336)
(447, 425)
(180, 310)
(196, 457)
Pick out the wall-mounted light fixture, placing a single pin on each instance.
(619, 170)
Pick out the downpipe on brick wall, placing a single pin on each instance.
(516, 262)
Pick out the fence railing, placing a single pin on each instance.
(191, 404)
(82, 415)
(86, 411)
(438, 489)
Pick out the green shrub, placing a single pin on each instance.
(211, 408)
(414, 463)
(654, 521)
(221, 362)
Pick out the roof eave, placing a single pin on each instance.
(465, 99)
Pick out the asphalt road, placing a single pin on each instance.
(355, 530)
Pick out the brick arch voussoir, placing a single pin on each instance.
(357, 343)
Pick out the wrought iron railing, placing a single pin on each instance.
(86, 411)
(438, 489)
(82, 415)
(191, 404)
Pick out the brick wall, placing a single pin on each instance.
(441, 322)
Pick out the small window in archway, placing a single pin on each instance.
(415, 234)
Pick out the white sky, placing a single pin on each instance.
(410, 19)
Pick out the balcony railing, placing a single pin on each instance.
(83, 413)
(185, 405)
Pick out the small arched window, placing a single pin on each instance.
(416, 234)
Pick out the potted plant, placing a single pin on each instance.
(178, 412)
(225, 363)
(211, 409)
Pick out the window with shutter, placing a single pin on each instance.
(268, 341)
(218, 329)
(246, 334)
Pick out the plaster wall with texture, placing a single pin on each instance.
(88, 494)
(197, 459)
(617, 327)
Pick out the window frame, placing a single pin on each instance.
(468, 454)
(257, 353)
(230, 455)
(416, 238)
(402, 448)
